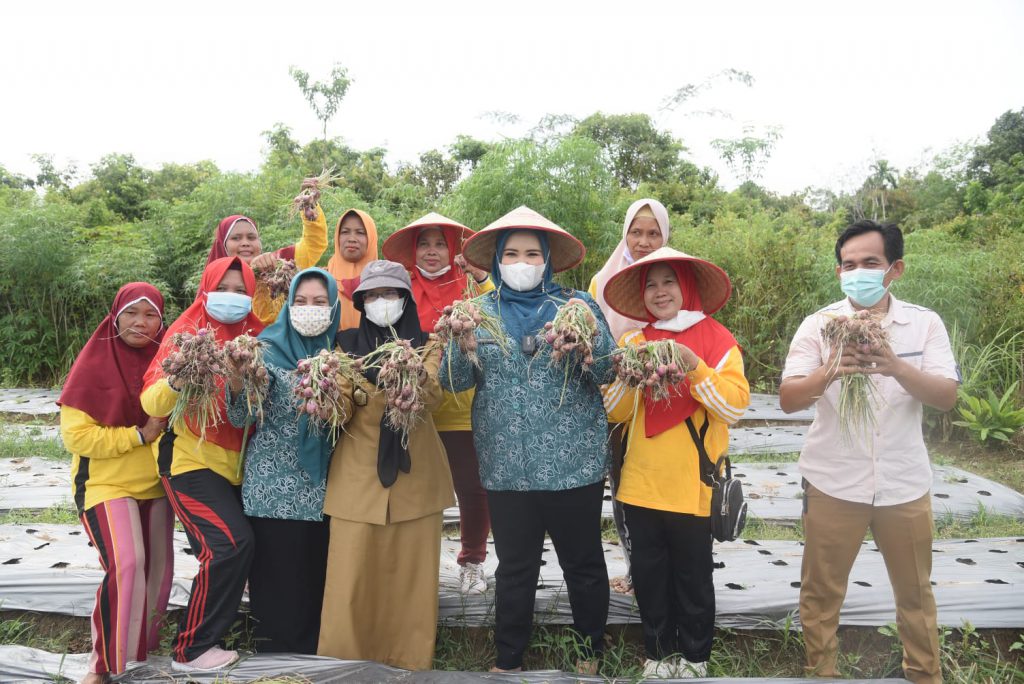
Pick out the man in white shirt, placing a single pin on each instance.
(879, 477)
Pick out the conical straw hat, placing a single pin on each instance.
(401, 245)
(624, 291)
(566, 251)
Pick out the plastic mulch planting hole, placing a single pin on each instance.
(860, 583)
(966, 561)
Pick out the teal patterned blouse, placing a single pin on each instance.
(275, 486)
(528, 436)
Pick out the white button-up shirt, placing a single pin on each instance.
(887, 464)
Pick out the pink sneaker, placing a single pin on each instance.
(215, 658)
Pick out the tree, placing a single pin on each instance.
(52, 178)
(637, 151)
(10, 179)
(435, 173)
(468, 150)
(882, 179)
(323, 97)
(175, 182)
(746, 156)
(1005, 139)
(120, 183)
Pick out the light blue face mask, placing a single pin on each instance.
(865, 286)
(228, 307)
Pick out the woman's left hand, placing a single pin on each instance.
(689, 357)
(577, 300)
(479, 275)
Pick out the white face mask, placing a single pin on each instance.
(384, 312)
(310, 321)
(681, 321)
(521, 276)
(435, 274)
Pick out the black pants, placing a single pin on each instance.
(210, 509)
(672, 567)
(286, 584)
(572, 518)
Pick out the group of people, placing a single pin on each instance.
(338, 535)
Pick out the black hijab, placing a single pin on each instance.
(358, 342)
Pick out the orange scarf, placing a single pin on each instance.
(194, 317)
(347, 273)
(709, 340)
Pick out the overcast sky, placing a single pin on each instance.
(189, 81)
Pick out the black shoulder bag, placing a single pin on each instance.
(728, 509)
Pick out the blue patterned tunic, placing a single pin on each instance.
(275, 486)
(528, 436)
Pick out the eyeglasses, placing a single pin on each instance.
(389, 295)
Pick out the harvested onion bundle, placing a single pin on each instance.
(400, 375)
(656, 367)
(857, 393)
(246, 352)
(459, 321)
(570, 334)
(318, 390)
(277, 279)
(309, 196)
(193, 371)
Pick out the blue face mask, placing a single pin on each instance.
(864, 285)
(228, 307)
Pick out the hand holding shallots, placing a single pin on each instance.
(657, 367)
(571, 333)
(277, 277)
(400, 375)
(320, 387)
(192, 370)
(249, 377)
(459, 322)
(857, 337)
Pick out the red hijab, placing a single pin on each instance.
(195, 317)
(433, 295)
(106, 379)
(217, 249)
(708, 339)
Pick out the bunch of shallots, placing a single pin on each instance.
(570, 334)
(459, 322)
(858, 395)
(193, 370)
(246, 354)
(655, 367)
(318, 390)
(400, 375)
(309, 196)
(278, 278)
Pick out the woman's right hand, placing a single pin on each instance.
(152, 429)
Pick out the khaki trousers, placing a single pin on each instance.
(834, 530)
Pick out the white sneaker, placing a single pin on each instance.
(661, 669)
(688, 670)
(472, 578)
(216, 658)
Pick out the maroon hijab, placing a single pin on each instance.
(106, 379)
(217, 250)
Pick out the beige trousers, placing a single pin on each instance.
(834, 530)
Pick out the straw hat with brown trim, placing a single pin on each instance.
(566, 251)
(624, 291)
(401, 245)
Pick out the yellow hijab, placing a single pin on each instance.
(346, 272)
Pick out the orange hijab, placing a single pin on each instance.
(195, 317)
(347, 273)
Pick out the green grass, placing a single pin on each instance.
(19, 445)
(57, 514)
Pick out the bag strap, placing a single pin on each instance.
(707, 468)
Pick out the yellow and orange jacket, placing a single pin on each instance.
(663, 472)
(308, 251)
(454, 413)
(107, 462)
(189, 454)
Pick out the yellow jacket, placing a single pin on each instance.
(308, 251)
(454, 412)
(107, 462)
(663, 472)
(188, 455)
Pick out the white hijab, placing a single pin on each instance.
(620, 259)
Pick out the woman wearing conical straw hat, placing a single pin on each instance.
(431, 249)
(541, 434)
(645, 229)
(666, 504)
